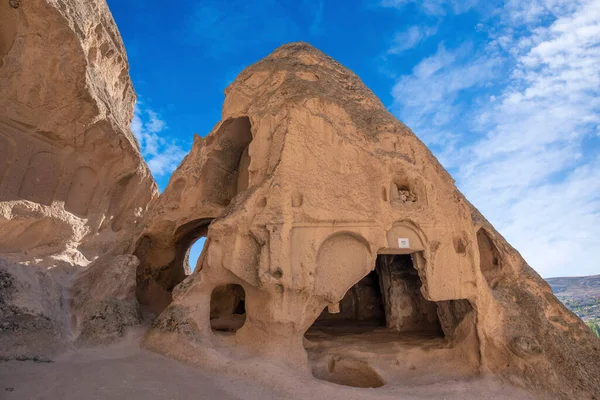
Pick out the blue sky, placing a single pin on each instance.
(505, 93)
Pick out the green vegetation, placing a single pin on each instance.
(586, 307)
(582, 296)
(594, 326)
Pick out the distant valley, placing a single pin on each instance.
(581, 295)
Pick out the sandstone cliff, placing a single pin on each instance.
(313, 197)
(338, 248)
(73, 184)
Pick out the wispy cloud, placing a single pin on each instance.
(522, 145)
(433, 7)
(410, 38)
(430, 99)
(161, 153)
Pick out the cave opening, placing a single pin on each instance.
(383, 320)
(227, 308)
(361, 308)
(155, 285)
(389, 298)
(407, 309)
(165, 261)
(229, 162)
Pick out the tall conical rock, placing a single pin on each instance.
(73, 185)
(306, 185)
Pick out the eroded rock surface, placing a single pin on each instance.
(103, 304)
(352, 247)
(73, 185)
(337, 246)
(31, 314)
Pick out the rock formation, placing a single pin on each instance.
(73, 185)
(338, 245)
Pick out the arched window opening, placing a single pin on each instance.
(227, 308)
(189, 235)
(162, 268)
(193, 255)
(234, 157)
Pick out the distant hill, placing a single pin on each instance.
(576, 286)
(581, 295)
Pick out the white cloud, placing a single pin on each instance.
(532, 11)
(161, 154)
(154, 124)
(427, 98)
(520, 157)
(410, 38)
(434, 7)
(166, 161)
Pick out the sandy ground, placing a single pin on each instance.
(125, 371)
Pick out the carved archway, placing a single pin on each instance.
(163, 248)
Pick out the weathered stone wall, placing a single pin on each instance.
(333, 181)
(73, 185)
(304, 183)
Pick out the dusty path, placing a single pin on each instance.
(124, 371)
(136, 375)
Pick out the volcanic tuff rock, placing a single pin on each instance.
(337, 246)
(73, 185)
(103, 300)
(312, 196)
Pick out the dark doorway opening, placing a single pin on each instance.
(388, 297)
(362, 306)
(386, 323)
(227, 308)
(407, 310)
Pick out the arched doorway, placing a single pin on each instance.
(388, 297)
(223, 174)
(154, 285)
